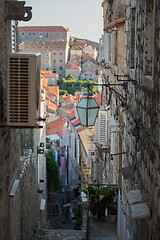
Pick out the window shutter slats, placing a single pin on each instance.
(103, 128)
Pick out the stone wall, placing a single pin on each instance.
(140, 62)
(19, 200)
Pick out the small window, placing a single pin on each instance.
(60, 53)
(46, 34)
(54, 61)
(61, 68)
(90, 74)
(23, 33)
(61, 60)
(54, 53)
(29, 33)
(33, 33)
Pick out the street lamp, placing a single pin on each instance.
(87, 109)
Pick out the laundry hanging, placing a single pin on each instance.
(63, 166)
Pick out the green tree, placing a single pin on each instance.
(63, 92)
(53, 181)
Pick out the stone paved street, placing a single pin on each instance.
(98, 230)
(102, 230)
(57, 234)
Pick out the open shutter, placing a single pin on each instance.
(113, 47)
(73, 145)
(103, 127)
(77, 151)
(107, 47)
(65, 131)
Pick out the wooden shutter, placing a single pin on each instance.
(73, 145)
(113, 47)
(65, 131)
(103, 127)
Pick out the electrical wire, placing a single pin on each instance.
(138, 124)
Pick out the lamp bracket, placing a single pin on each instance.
(119, 78)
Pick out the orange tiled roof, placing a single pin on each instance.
(71, 115)
(46, 72)
(53, 89)
(68, 98)
(73, 66)
(98, 98)
(45, 82)
(50, 95)
(52, 106)
(79, 94)
(56, 126)
(81, 128)
(48, 75)
(114, 24)
(76, 122)
(43, 28)
(99, 76)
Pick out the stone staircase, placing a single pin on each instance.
(85, 172)
(58, 234)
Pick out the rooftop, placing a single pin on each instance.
(56, 126)
(43, 28)
(116, 23)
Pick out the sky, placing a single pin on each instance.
(82, 17)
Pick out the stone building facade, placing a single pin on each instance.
(20, 202)
(43, 33)
(132, 111)
(54, 54)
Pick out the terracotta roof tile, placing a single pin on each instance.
(71, 115)
(73, 66)
(56, 126)
(76, 122)
(68, 98)
(99, 76)
(43, 28)
(45, 82)
(114, 24)
(49, 75)
(53, 89)
(81, 128)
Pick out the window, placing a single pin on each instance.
(61, 60)
(22, 33)
(54, 53)
(29, 33)
(46, 34)
(90, 74)
(61, 68)
(40, 35)
(54, 61)
(60, 53)
(33, 33)
(103, 135)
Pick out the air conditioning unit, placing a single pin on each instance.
(23, 86)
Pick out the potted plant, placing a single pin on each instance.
(101, 198)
